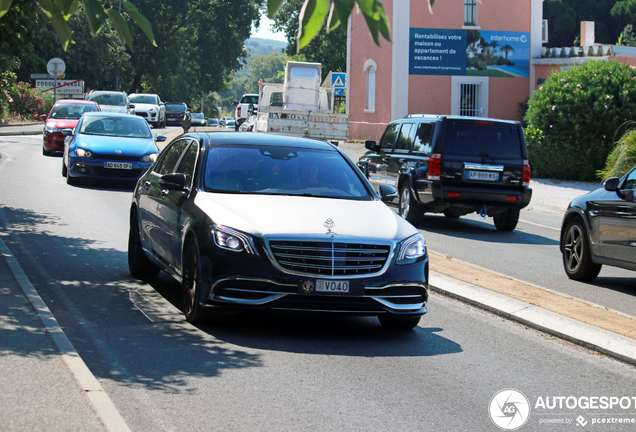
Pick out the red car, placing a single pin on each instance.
(64, 115)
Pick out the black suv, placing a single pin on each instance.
(453, 165)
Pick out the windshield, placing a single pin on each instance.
(115, 99)
(197, 115)
(71, 111)
(282, 171)
(176, 107)
(125, 127)
(143, 99)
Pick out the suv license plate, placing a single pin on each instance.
(482, 175)
(332, 286)
(118, 165)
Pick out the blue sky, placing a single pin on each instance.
(265, 31)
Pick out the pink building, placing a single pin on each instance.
(467, 58)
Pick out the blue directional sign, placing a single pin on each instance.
(338, 82)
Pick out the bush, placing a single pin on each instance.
(622, 158)
(580, 113)
(26, 102)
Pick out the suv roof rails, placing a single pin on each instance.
(422, 116)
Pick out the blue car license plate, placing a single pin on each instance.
(118, 165)
(482, 176)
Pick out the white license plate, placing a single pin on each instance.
(332, 286)
(482, 175)
(118, 165)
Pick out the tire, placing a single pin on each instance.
(64, 170)
(506, 221)
(46, 152)
(191, 289)
(138, 263)
(393, 322)
(449, 214)
(409, 208)
(576, 252)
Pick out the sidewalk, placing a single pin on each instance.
(22, 129)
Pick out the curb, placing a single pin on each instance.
(605, 342)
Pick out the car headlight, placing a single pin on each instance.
(84, 153)
(411, 250)
(52, 128)
(153, 109)
(229, 239)
(149, 157)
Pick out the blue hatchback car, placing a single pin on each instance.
(108, 146)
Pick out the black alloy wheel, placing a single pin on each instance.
(507, 220)
(191, 289)
(577, 257)
(409, 208)
(138, 263)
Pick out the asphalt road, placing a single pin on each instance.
(267, 371)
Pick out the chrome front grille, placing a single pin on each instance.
(325, 258)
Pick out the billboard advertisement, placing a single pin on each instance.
(469, 52)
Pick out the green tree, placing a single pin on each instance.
(576, 116)
(507, 49)
(627, 37)
(564, 18)
(22, 30)
(328, 48)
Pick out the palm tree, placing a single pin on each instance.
(494, 45)
(507, 49)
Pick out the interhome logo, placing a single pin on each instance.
(509, 409)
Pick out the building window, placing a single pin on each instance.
(369, 68)
(470, 104)
(470, 12)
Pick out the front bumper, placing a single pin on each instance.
(250, 283)
(53, 141)
(96, 168)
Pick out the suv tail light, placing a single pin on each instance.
(526, 173)
(435, 167)
(238, 111)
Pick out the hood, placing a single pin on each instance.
(280, 215)
(133, 147)
(113, 108)
(63, 123)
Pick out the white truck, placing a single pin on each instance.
(241, 113)
(300, 106)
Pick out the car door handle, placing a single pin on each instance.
(147, 185)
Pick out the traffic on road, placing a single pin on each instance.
(289, 371)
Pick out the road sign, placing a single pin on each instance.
(338, 82)
(56, 67)
(40, 76)
(63, 86)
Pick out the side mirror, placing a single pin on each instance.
(387, 192)
(42, 116)
(371, 145)
(67, 132)
(250, 109)
(174, 181)
(611, 184)
(161, 138)
(161, 103)
(131, 106)
(235, 103)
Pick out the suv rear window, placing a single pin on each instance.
(465, 139)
